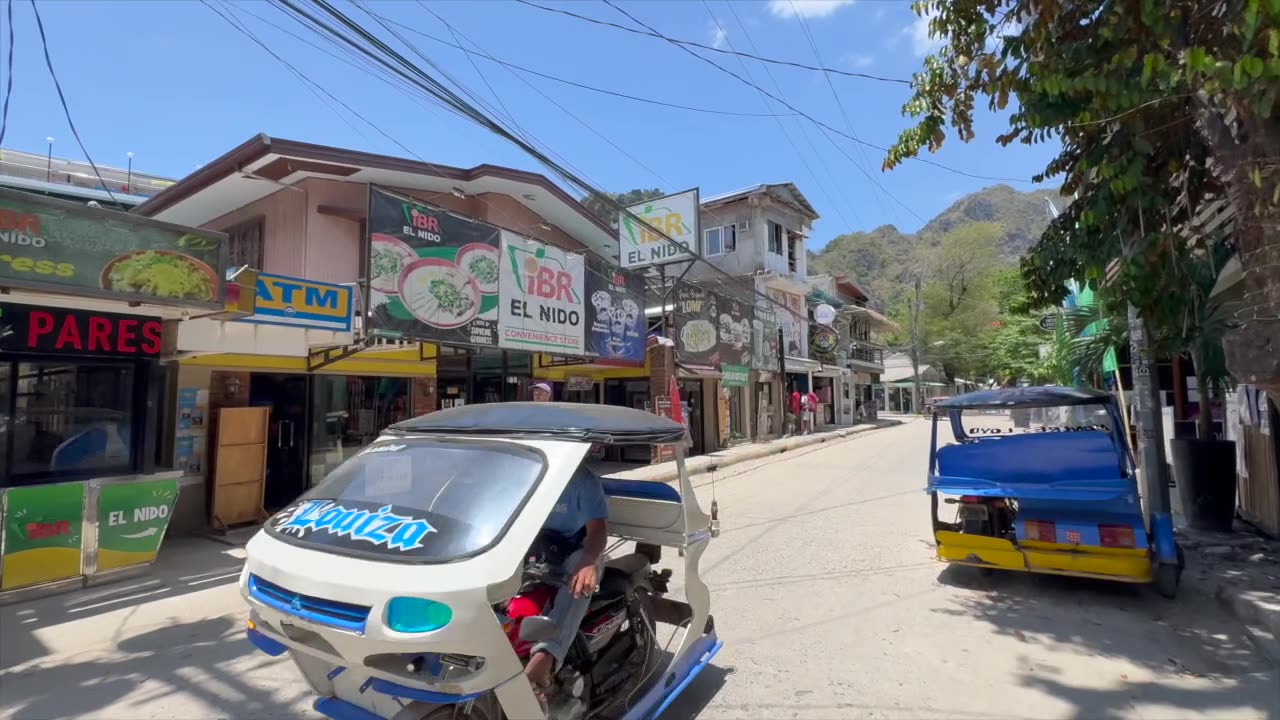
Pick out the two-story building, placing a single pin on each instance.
(756, 237)
(854, 358)
(326, 226)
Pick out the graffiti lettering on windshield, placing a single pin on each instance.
(1040, 429)
(380, 527)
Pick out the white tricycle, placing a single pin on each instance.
(405, 586)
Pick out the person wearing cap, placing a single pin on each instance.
(541, 392)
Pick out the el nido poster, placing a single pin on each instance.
(432, 275)
(616, 328)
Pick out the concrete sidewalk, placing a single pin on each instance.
(1243, 569)
(666, 472)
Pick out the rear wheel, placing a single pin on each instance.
(1167, 580)
(483, 708)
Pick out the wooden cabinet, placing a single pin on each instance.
(239, 471)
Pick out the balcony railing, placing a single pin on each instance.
(69, 172)
(867, 355)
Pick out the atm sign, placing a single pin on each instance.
(302, 303)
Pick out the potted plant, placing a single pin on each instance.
(1204, 467)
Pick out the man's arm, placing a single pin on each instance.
(596, 506)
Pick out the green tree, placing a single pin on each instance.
(608, 214)
(1162, 107)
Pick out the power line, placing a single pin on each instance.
(8, 90)
(655, 34)
(62, 98)
(437, 89)
(592, 88)
(791, 107)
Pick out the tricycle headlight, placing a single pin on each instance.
(417, 615)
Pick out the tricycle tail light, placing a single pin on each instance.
(1042, 531)
(417, 615)
(1116, 536)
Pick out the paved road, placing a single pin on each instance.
(825, 593)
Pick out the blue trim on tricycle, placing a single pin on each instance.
(404, 692)
(344, 616)
(274, 648)
(1092, 490)
(660, 697)
(641, 490)
(1166, 544)
(336, 709)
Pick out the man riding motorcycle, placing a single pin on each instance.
(578, 526)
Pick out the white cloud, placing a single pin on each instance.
(719, 38)
(809, 9)
(860, 61)
(918, 31)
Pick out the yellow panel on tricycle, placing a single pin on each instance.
(1133, 565)
(978, 550)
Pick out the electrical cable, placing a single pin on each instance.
(656, 34)
(8, 89)
(436, 88)
(592, 88)
(793, 108)
(62, 98)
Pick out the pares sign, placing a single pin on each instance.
(616, 325)
(542, 292)
(675, 215)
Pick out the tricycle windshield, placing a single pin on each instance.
(415, 500)
(1016, 421)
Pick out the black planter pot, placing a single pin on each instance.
(1205, 472)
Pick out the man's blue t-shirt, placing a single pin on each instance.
(582, 501)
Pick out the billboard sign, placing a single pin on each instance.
(66, 247)
(542, 291)
(433, 275)
(616, 325)
(697, 313)
(675, 215)
(735, 331)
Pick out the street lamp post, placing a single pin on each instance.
(48, 161)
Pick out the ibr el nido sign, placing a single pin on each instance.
(675, 216)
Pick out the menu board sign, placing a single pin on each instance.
(764, 339)
(696, 313)
(71, 248)
(615, 306)
(735, 331)
(542, 307)
(433, 275)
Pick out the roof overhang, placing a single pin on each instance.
(264, 165)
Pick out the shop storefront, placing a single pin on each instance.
(735, 387)
(87, 492)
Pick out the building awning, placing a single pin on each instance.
(697, 371)
(878, 322)
(818, 297)
(832, 371)
(802, 365)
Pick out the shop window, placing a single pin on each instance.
(71, 419)
(348, 413)
(244, 244)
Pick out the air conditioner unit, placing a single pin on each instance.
(742, 226)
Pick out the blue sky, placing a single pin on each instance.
(177, 86)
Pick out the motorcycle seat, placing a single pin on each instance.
(620, 574)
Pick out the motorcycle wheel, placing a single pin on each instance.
(484, 708)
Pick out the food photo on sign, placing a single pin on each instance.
(697, 313)
(433, 275)
(735, 332)
(615, 300)
(542, 299)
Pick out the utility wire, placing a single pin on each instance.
(793, 108)
(655, 34)
(62, 98)
(8, 90)
(436, 88)
(592, 88)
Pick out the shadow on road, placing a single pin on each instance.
(1177, 641)
(206, 661)
(186, 565)
(699, 694)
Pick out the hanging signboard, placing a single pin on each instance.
(822, 343)
(615, 308)
(764, 339)
(282, 300)
(824, 314)
(696, 314)
(735, 331)
(675, 215)
(542, 292)
(35, 329)
(1048, 322)
(792, 317)
(433, 275)
(734, 375)
(59, 246)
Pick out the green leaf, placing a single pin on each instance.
(1251, 20)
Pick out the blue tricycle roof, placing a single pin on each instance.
(1024, 397)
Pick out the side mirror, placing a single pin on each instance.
(537, 628)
